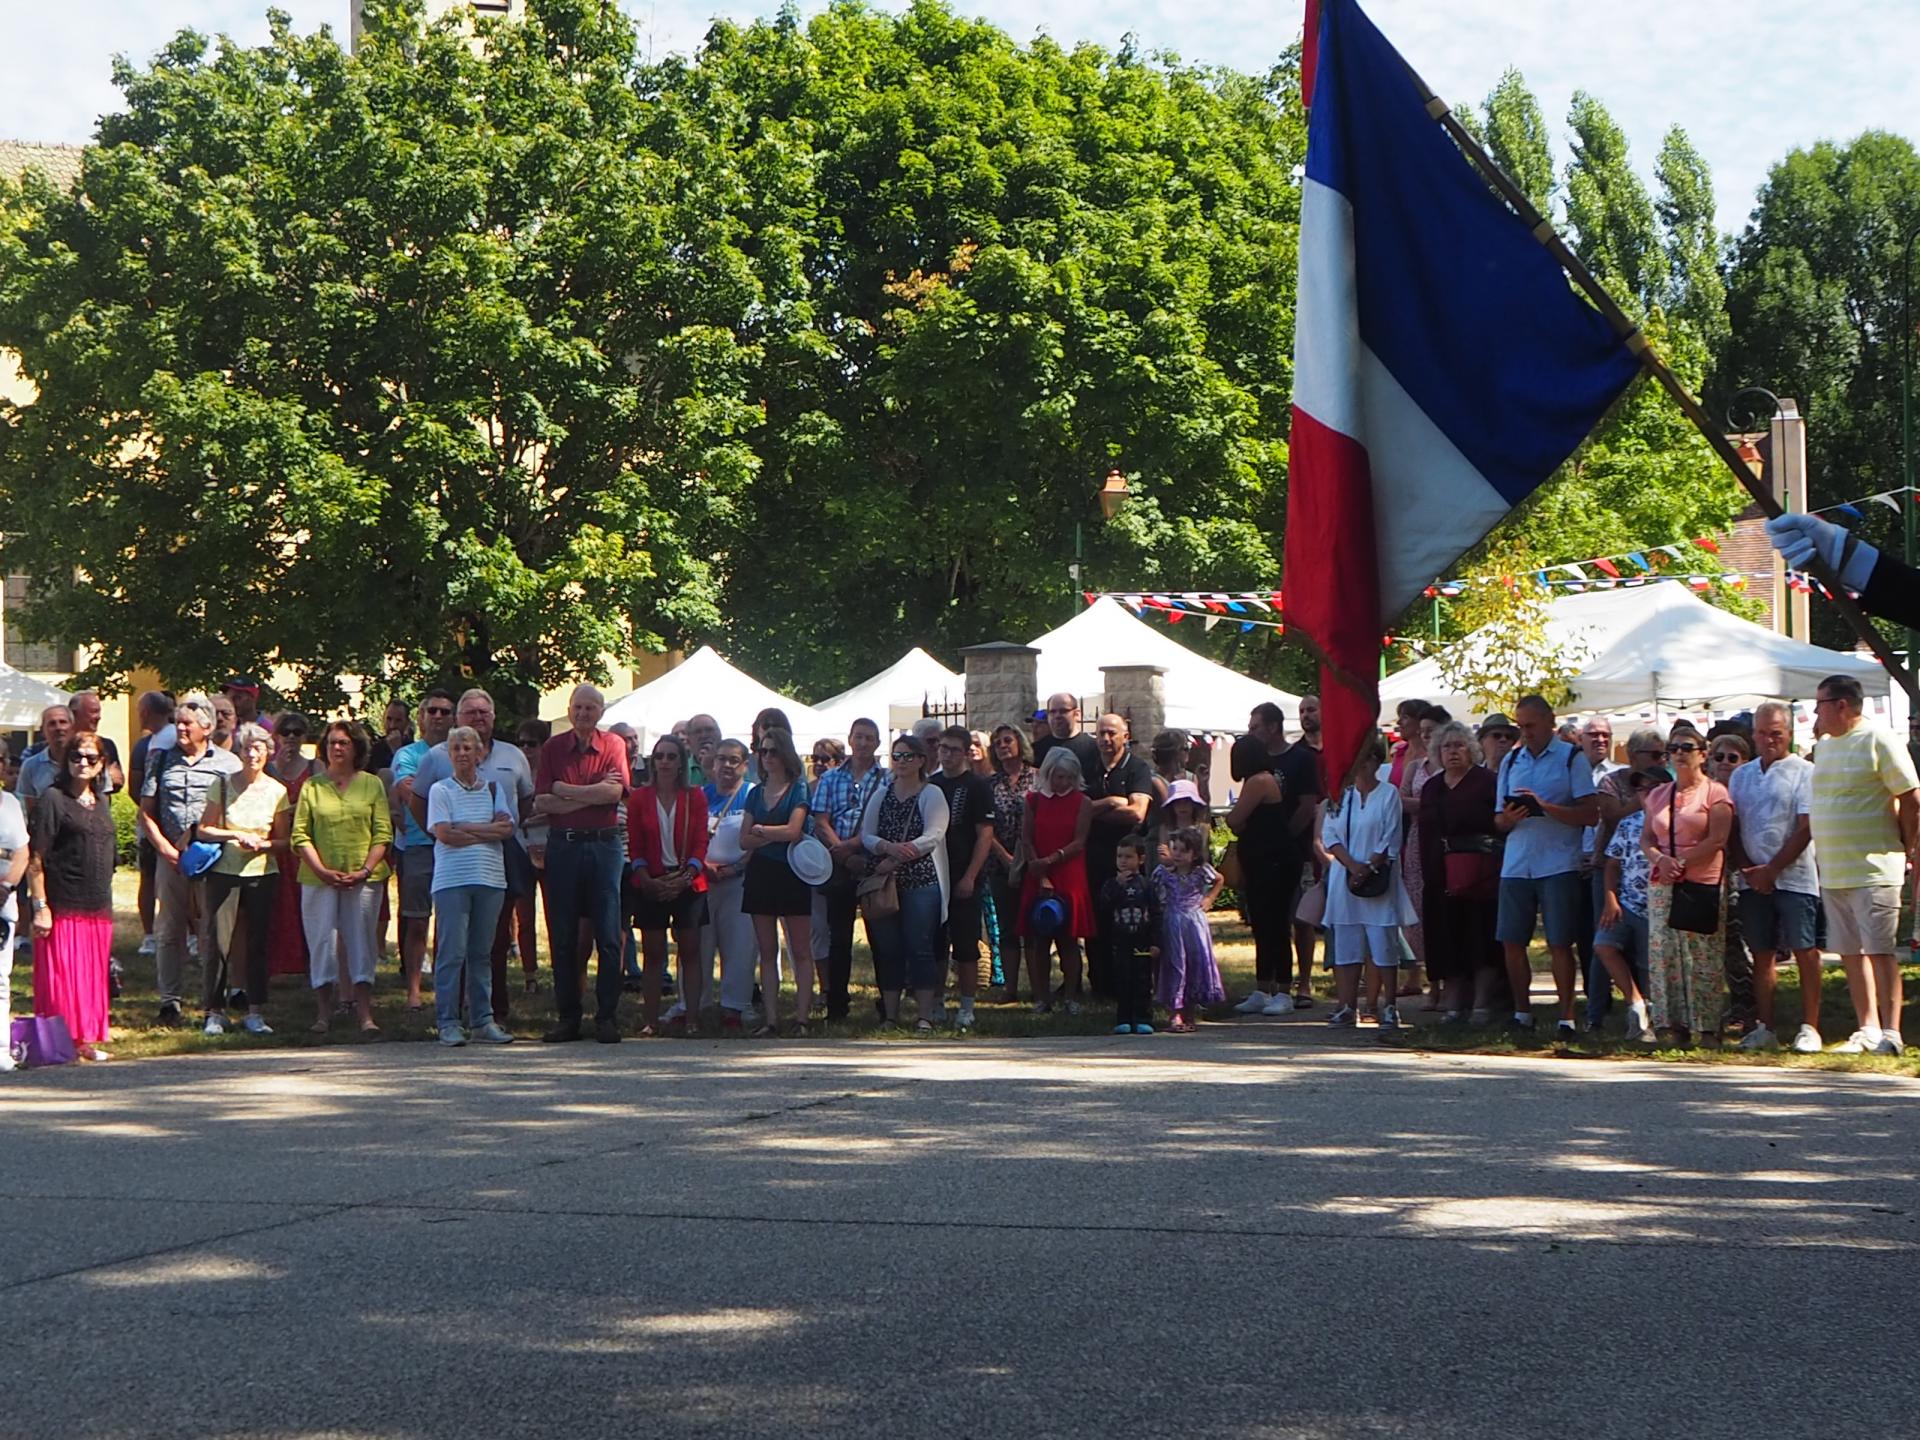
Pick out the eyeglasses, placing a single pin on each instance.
(767, 750)
(1725, 757)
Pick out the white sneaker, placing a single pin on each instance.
(1638, 1026)
(452, 1036)
(1807, 1042)
(492, 1033)
(256, 1025)
(964, 1019)
(1759, 1038)
(1890, 1043)
(1254, 1004)
(193, 946)
(216, 1025)
(7, 1062)
(146, 945)
(1861, 1042)
(674, 1012)
(1280, 1004)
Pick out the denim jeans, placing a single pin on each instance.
(583, 883)
(906, 948)
(464, 917)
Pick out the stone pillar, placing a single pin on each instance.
(1003, 684)
(1138, 692)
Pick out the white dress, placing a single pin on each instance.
(1366, 926)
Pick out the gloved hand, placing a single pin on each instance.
(1803, 539)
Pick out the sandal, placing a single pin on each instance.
(797, 1031)
(1181, 1025)
(923, 1027)
(1302, 1000)
(766, 1032)
(367, 1027)
(319, 1027)
(645, 1032)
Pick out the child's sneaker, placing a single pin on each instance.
(1343, 1017)
(1123, 1029)
(1143, 1029)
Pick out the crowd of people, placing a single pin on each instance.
(711, 873)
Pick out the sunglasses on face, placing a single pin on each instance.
(1685, 747)
(822, 759)
(901, 757)
(438, 710)
(83, 757)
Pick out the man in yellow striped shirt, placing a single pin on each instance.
(1865, 813)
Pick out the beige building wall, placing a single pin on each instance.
(485, 9)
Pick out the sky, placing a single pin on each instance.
(1748, 79)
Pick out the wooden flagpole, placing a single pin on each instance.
(1649, 358)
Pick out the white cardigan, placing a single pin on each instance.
(932, 838)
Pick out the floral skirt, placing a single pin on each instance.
(1686, 973)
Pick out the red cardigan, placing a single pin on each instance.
(689, 831)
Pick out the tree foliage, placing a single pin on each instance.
(1814, 299)
(1512, 653)
(416, 362)
(1009, 270)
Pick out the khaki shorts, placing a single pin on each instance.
(1863, 920)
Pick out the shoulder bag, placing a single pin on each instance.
(1696, 904)
(1372, 883)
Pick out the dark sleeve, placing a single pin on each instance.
(44, 828)
(1893, 592)
(1153, 906)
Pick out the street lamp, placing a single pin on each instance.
(1113, 496)
(1906, 403)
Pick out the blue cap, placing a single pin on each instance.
(198, 858)
(1049, 917)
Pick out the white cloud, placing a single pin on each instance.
(1748, 79)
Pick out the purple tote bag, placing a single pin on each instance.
(42, 1040)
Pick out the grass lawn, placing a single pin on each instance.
(290, 1011)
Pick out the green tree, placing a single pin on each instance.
(1516, 136)
(1609, 210)
(1814, 300)
(1694, 291)
(1506, 650)
(1002, 271)
(416, 362)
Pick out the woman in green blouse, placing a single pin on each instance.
(341, 829)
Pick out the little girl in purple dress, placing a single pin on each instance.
(1188, 886)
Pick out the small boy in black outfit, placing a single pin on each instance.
(1131, 911)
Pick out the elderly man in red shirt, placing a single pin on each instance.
(580, 781)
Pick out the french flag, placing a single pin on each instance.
(1443, 365)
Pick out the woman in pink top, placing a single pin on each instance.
(1685, 838)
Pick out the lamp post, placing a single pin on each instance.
(1906, 403)
(1113, 495)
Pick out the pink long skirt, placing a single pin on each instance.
(70, 975)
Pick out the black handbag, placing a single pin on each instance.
(1696, 904)
(1372, 883)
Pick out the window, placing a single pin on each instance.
(21, 653)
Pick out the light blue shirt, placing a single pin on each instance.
(1540, 846)
(405, 762)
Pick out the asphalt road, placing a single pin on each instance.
(1217, 1236)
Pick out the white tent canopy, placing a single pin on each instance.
(1201, 695)
(1660, 644)
(906, 684)
(706, 684)
(22, 698)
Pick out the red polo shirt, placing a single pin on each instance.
(602, 758)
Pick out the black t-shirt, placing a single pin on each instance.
(969, 804)
(1130, 776)
(1130, 910)
(1299, 771)
(75, 844)
(1085, 748)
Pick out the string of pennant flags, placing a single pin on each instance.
(1265, 609)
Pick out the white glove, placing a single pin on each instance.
(1802, 539)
